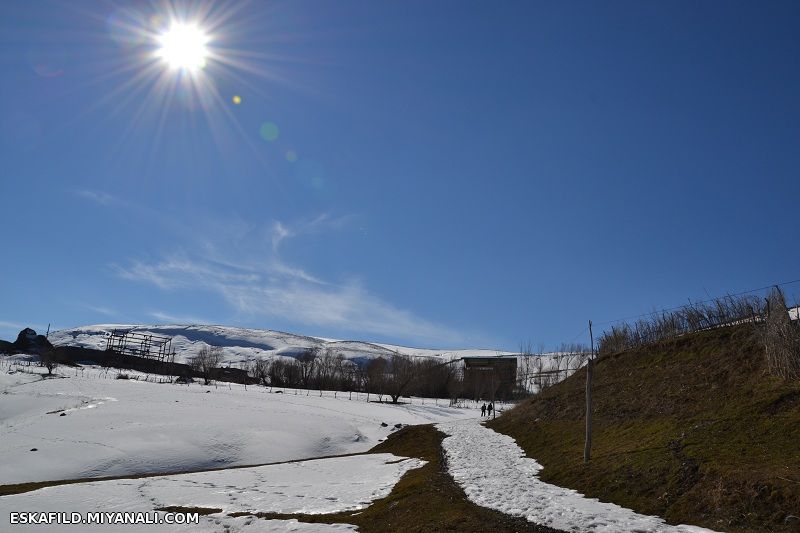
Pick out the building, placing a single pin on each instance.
(490, 378)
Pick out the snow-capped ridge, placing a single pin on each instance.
(241, 344)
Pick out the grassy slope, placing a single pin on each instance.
(690, 429)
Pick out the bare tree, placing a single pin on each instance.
(525, 368)
(455, 387)
(246, 365)
(306, 362)
(206, 362)
(326, 369)
(668, 324)
(49, 360)
(403, 371)
(375, 377)
(781, 339)
(259, 370)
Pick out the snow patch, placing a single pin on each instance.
(494, 472)
(319, 486)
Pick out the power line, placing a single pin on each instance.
(583, 331)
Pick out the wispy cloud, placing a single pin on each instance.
(98, 197)
(182, 271)
(324, 222)
(10, 329)
(279, 233)
(268, 286)
(107, 311)
(177, 319)
(12, 325)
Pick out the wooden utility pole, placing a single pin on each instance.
(494, 408)
(587, 449)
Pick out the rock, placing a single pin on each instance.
(384, 424)
(34, 449)
(398, 426)
(63, 414)
(29, 342)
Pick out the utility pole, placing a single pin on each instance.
(587, 449)
(494, 408)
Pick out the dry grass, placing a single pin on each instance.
(691, 429)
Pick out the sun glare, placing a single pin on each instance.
(183, 46)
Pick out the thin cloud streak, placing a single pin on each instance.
(107, 311)
(177, 319)
(270, 287)
(97, 197)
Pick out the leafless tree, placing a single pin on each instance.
(525, 368)
(259, 370)
(403, 371)
(246, 365)
(326, 369)
(306, 363)
(781, 339)
(697, 316)
(375, 377)
(49, 360)
(206, 362)
(455, 388)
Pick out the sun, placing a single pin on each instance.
(183, 46)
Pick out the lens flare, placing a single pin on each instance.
(269, 131)
(183, 46)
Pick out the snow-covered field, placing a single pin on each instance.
(307, 487)
(85, 423)
(494, 472)
(241, 344)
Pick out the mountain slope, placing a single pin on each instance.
(242, 343)
(690, 429)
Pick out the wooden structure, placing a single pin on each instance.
(490, 377)
(146, 345)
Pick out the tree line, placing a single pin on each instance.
(393, 376)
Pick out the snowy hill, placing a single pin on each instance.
(241, 344)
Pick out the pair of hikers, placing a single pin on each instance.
(484, 408)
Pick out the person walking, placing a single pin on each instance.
(489, 409)
(483, 410)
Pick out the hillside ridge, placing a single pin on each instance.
(691, 429)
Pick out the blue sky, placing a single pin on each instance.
(443, 174)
